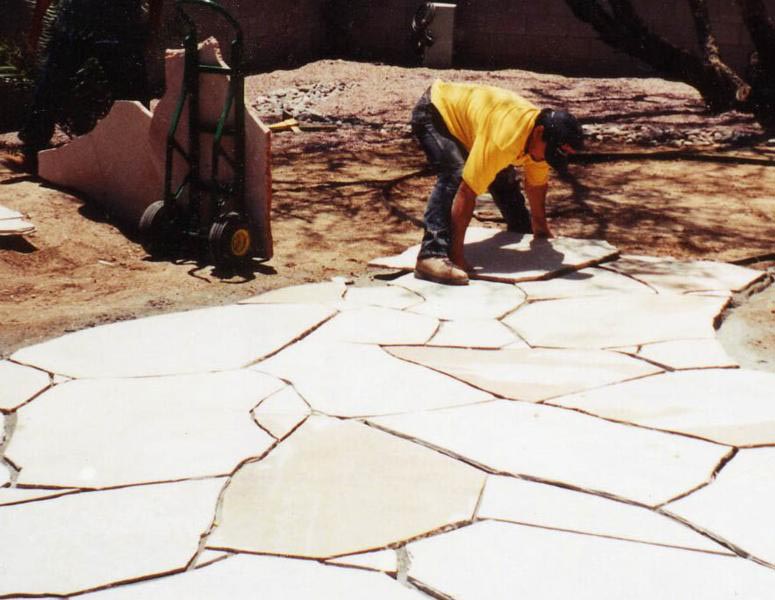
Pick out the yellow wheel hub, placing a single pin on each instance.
(240, 242)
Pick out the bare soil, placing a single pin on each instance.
(660, 176)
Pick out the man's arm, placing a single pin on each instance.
(462, 211)
(536, 196)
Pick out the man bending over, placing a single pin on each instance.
(474, 136)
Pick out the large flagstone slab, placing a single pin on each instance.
(377, 325)
(387, 296)
(107, 432)
(326, 292)
(477, 300)
(352, 380)
(19, 383)
(620, 320)
(668, 275)
(474, 333)
(688, 354)
(566, 447)
(738, 504)
(340, 487)
(203, 340)
(728, 406)
(281, 412)
(113, 163)
(83, 541)
(500, 560)
(528, 374)
(506, 256)
(586, 282)
(268, 578)
(529, 503)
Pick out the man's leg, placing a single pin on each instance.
(506, 193)
(447, 158)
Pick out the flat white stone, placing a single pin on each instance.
(268, 578)
(19, 383)
(473, 333)
(17, 495)
(341, 487)
(376, 325)
(381, 560)
(505, 561)
(352, 380)
(529, 374)
(567, 447)
(611, 321)
(327, 292)
(477, 300)
(668, 275)
(16, 227)
(203, 340)
(728, 406)
(281, 412)
(104, 432)
(505, 256)
(738, 504)
(520, 501)
(93, 539)
(387, 296)
(5, 473)
(8, 213)
(688, 354)
(586, 282)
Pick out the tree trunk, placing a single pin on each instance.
(761, 70)
(623, 29)
(731, 84)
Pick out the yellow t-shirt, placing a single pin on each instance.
(494, 125)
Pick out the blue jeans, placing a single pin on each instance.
(448, 156)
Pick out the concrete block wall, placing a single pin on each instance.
(375, 31)
(532, 34)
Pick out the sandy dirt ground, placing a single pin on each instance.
(660, 176)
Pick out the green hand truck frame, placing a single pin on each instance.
(203, 206)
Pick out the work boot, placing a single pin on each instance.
(440, 270)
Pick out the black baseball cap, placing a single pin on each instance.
(560, 128)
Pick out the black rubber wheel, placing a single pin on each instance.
(156, 229)
(230, 240)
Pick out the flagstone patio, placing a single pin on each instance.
(571, 430)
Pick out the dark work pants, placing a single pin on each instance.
(448, 156)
